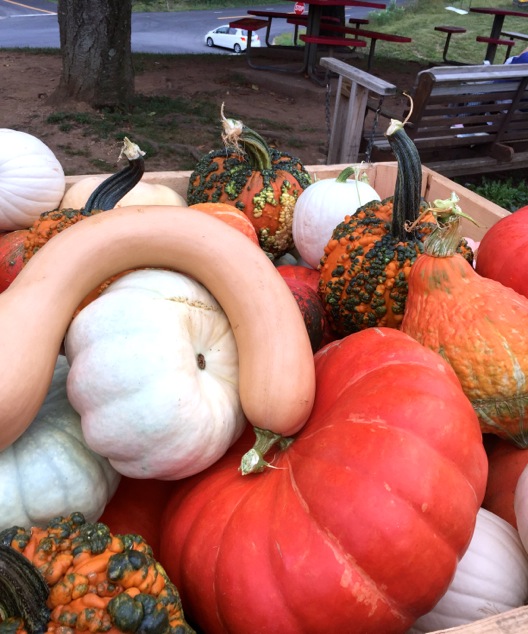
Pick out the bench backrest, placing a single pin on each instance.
(457, 105)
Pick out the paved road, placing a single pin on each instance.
(33, 24)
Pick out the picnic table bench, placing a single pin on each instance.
(464, 120)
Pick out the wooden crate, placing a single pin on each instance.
(382, 176)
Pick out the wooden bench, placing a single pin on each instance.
(373, 36)
(450, 31)
(255, 24)
(515, 35)
(509, 44)
(465, 119)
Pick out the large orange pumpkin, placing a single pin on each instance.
(358, 525)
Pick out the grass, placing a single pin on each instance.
(417, 20)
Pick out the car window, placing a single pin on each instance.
(232, 31)
(244, 33)
(222, 29)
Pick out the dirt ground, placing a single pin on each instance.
(297, 111)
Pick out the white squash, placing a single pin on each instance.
(321, 207)
(32, 180)
(142, 193)
(520, 506)
(154, 375)
(491, 578)
(49, 470)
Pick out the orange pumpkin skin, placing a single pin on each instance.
(506, 462)
(231, 215)
(479, 326)
(358, 526)
(11, 256)
(503, 252)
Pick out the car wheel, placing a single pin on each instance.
(209, 42)
(237, 48)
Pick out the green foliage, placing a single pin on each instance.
(509, 193)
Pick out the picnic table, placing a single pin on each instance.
(497, 26)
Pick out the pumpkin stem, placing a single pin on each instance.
(106, 195)
(253, 460)
(246, 140)
(408, 188)
(23, 591)
(445, 238)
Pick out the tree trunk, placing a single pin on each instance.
(95, 41)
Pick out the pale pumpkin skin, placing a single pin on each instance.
(154, 376)
(32, 179)
(141, 194)
(50, 470)
(491, 578)
(276, 366)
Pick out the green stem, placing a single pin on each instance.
(238, 135)
(23, 591)
(111, 190)
(253, 460)
(445, 238)
(408, 189)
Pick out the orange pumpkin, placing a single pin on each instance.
(231, 215)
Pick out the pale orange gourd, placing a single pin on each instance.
(277, 376)
(230, 214)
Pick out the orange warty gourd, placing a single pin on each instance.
(75, 576)
(367, 261)
(276, 367)
(261, 181)
(231, 215)
(476, 324)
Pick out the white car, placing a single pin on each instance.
(227, 37)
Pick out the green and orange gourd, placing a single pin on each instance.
(366, 263)
(261, 181)
(75, 576)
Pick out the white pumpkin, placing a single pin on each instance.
(49, 470)
(32, 180)
(491, 578)
(520, 506)
(321, 207)
(142, 193)
(154, 375)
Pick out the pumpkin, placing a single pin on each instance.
(491, 578)
(31, 179)
(263, 182)
(366, 263)
(11, 256)
(136, 507)
(357, 524)
(173, 398)
(520, 506)
(502, 251)
(79, 576)
(231, 215)
(303, 283)
(142, 193)
(312, 310)
(177, 238)
(506, 462)
(50, 470)
(322, 206)
(302, 273)
(476, 324)
(102, 198)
